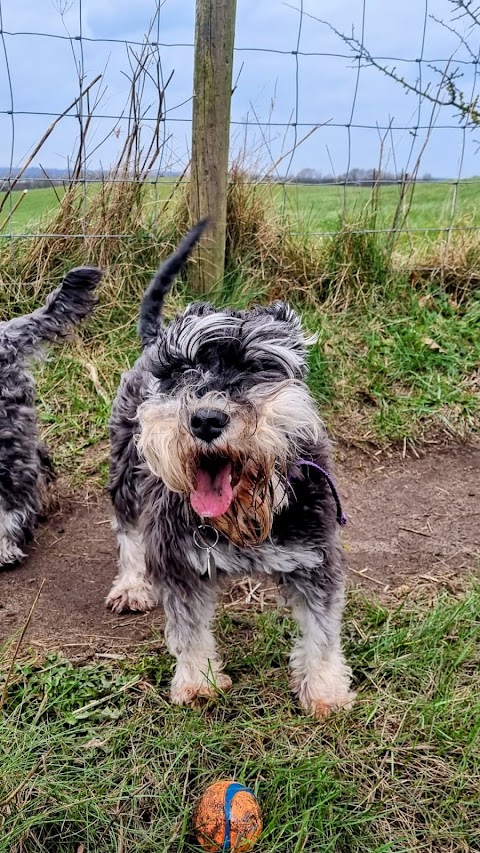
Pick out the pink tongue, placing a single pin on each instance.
(212, 497)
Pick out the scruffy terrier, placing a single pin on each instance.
(220, 463)
(25, 466)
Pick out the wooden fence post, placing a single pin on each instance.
(214, 41)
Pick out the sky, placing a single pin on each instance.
(322, 93)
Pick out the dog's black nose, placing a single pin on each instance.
(208, 424)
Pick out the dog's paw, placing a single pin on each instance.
(10, 552)
(320, 708)
(138, 598)
(183, 693)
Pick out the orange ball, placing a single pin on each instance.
(228, 817)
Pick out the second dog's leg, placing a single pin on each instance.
(19, 503)
(15, 525)
(130, 590)
(189, 613)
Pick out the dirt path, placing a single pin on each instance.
(413, 523)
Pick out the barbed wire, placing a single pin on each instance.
(81, 112)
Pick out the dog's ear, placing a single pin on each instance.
(289, 324)
(283, 313)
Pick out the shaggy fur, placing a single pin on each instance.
(207, 428)
(25, 466)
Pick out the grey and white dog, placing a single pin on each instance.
(25, 466)
(219, 462)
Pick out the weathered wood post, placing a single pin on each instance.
(214, 41)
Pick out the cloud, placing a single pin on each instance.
(274, 85)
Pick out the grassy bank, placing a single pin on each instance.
(94, 757)
(403, 369)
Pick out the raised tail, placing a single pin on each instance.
(152, 303)
(73, 300)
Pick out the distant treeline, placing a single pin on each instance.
(357, 177)
(35, 178)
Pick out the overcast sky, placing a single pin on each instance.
(44, 80)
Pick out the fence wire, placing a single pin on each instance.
(432, 114)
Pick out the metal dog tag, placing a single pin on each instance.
(200, 540)
(211, 567)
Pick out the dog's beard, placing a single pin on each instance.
(233, 490)
(237, 483)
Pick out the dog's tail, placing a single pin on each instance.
(152, 303)
(73, 300)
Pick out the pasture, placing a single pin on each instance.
(309, 209)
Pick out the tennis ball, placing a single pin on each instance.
(228, 817)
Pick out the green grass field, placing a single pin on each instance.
(35, 207)
(95, 759)
(310, 208)
(320, 208)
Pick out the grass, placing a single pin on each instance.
(34, 208)
(94, 758)
(94, 755)
(407, 370)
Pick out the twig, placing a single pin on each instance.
(24, 781)
(418, 532)
(12, 211)
(368, 577)
(93, 373)
(20, 641)
(120, 846)
(294, 147)
(95, 703)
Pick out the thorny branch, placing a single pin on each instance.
(450, 92)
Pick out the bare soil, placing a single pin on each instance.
(414, 525)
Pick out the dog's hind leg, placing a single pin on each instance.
(319, 674)
(131, 590)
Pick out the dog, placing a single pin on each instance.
(220, 464)
(25, 466)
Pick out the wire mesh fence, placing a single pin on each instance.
(367, 102)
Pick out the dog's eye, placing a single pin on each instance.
(167, 384)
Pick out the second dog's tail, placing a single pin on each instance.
(152, 303)
(73, 300)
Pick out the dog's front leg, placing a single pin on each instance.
(131, 590)
(319, 674)
(189, 603)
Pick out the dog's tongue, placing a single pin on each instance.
(213, 491)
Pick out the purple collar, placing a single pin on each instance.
(341, 517)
